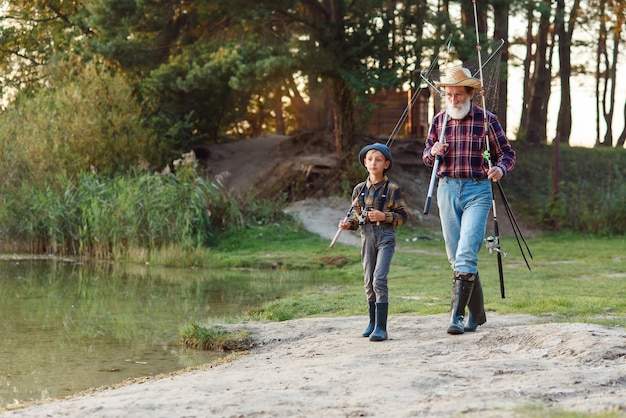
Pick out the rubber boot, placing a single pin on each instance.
(476, 307)
(370, 327)
(380, 331)
(461, 292)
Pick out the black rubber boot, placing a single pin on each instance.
(380, 331)
(370, 327)
(461, 292)
(476, 307)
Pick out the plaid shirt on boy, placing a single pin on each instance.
(385, 196)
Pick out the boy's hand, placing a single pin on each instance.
(344, 225)
(375, 215)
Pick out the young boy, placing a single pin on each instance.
(379, 207)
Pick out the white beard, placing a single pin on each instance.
(461, 110)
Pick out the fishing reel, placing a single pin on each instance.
(363, 216)
(493, 244)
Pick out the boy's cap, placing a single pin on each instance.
(384, 149)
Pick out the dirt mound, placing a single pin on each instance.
(305, 167)
(272, 165)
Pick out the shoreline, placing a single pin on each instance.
(514, 364)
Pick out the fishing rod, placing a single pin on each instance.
(515, 226)
(438, 159)
(405, 113)
(493, 242)
(393, 134)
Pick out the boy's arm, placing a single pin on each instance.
(354, 220)
(398, 213)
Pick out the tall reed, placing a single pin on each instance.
(105, 216)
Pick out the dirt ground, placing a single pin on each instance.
(514, 365)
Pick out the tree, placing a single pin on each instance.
(354, 49)
(611, 16)
(501, 10)
(87, 119)
(32, 33)
(564, 33)
(535, 113)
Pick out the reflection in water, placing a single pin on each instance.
(67, 327)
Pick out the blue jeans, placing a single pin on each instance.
(378, 244)
(464, 205)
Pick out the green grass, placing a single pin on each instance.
(573, 277)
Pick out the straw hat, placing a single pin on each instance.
(384, 149)
(459, 77)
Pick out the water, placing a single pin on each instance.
(67, 327)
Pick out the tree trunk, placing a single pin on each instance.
(564, 121)
(501, 31)
(600, 52)
(622, 137)
(343, 116)
(536, 131)
(527, 64)
(341, 96)
(621, 18)
(278, 110)
(608, 98)
(608, 105)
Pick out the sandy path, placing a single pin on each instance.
(322, 367)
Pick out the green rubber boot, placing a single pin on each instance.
(461, 292)
(370, 327)
(476, 307)
(380, 331)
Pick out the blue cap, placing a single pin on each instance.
(384, 149)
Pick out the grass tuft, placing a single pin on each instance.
(215, 338)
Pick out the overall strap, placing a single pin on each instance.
(362, 197)
(383, 198)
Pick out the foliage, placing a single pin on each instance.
(34, 34)
(206, 69)
(87, 119)
(199, 74)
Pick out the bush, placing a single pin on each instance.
(85, 119)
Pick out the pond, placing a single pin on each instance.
(67, 326)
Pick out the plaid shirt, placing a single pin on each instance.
(466, 139)
(373, 196)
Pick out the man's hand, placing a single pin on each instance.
(495, 173)
(438, 149)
